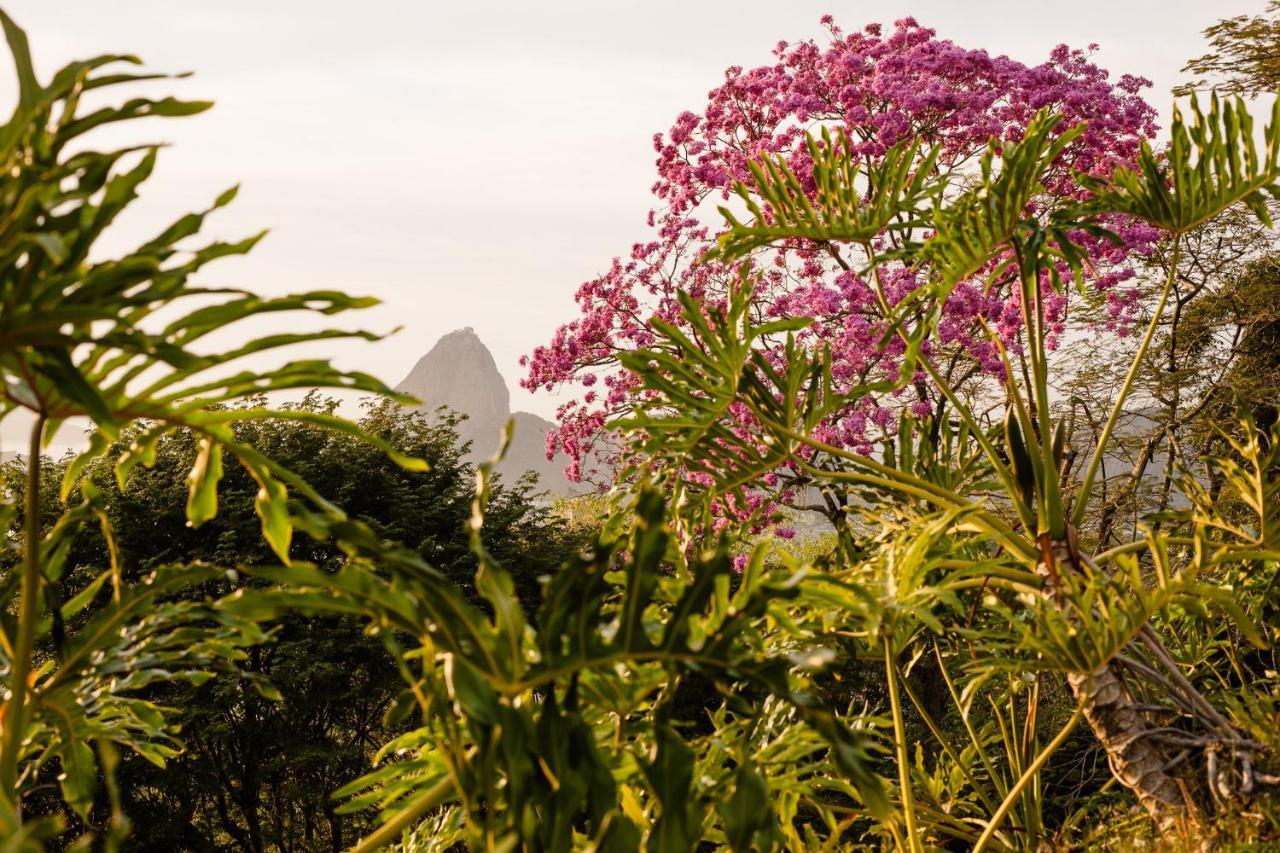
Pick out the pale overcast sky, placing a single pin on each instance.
(471, 163)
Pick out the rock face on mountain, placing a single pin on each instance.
(459, 372)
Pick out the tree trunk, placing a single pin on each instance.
(335, 828)
(1137, 761)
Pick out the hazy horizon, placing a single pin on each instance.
(471, 166)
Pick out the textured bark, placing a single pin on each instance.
(1138, 762)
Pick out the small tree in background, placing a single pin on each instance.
(1243, 58)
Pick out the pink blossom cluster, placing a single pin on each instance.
(879, 86)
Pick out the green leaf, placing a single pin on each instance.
(748, 812)
(272, 507)
(670, 776)
(202, 483)
(98, 444)
(29, 90)
(79, 777)
(84, 597)
(972, 228)
(472, 696)
(70, 382)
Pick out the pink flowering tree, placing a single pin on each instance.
(875, 89)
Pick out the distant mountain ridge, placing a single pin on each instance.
(459, 372)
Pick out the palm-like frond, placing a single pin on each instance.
(1212, 163)
(718, 405)
(94, 692)
(940, 452)
(906, 584)
(854, 201)
(685, 423)
(971, 230)
(90, 693)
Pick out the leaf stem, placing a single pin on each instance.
(943, 741)
(29, 616)
(1027, 777)
(1050, 498)
(900, 743)
(1095, 461)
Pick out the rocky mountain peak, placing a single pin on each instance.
(460, 372)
